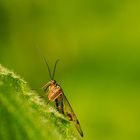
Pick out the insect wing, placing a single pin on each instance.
(68, 111)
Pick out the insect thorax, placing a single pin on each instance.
(54, 92)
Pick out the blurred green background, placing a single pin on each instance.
(98, 43)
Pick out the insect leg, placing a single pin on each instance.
(59, 105)
(45, 87)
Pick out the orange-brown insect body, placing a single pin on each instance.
(54, 91)
(56, 94)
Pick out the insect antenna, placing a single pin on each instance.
(54, 68)
(40, 52)
(47, 67)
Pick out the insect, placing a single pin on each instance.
(56, 94)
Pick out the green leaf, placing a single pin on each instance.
(26, 116)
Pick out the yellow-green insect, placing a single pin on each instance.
(56, 94)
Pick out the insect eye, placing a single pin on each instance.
(53, 81)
